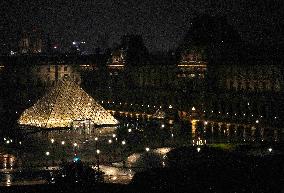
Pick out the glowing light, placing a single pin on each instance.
(147, 149)
(205, 122)
(163, 125)
(52, 140)
(198, 149)
(123, 142)
(109, 141)
(79, 106)
(47, 153)
(129, 130)
(96, 139)
(75, 144)
(113, 135)
(98, 151)
(193, 108)
(270, 149)
(257, 121)
(63, 142)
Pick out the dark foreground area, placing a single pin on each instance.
(194, 169)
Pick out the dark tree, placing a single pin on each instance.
(136, 52)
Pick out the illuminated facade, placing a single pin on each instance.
(51, 73)
(66, 105)
(252, 78)
(30, 43)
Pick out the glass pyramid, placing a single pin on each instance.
(63, 105)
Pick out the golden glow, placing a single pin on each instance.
(65, 105)
(192, 65)
(162, 150)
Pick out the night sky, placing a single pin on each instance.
(162, 23)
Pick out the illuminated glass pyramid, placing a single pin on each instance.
(64, 104)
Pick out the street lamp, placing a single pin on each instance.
(75, 148)
(198, 149)
(47, 154)
(98, 159)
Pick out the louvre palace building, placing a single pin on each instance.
(225, 102)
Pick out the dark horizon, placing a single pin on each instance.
(162, 24)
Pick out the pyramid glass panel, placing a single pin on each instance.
(65, 103)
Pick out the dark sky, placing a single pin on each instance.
(162, 23)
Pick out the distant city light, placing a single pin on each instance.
(270, 149)
(98, 151)
(47, 153)
(198, 149)
(123, 142)
(147, 149)
(62, 142)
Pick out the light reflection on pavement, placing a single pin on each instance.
(115, 173)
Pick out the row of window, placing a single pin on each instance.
(253, 85)
(48, 69)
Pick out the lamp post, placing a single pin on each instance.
(63, 149)
(98, 159)
(53, 154)
(97, 153)
(123, 145)
(47, 154)
(75, 146)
